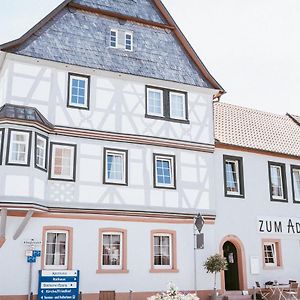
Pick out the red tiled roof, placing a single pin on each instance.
(250, 128)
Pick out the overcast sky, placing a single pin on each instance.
(252, 47)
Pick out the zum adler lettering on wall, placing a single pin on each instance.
(279, 225)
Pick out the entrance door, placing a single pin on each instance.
(232, 273)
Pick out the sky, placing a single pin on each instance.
(251, 47)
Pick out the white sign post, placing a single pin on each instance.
(31, 255)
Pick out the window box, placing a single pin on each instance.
(57, 248)
(233, 176)
(112, 250)
(115, 163)
(164, 171)
(163, 251)
(62, 162)
(166, 104)
(277, 182)
(272, 254)
(41, 152)
(18, 148)
(78, 91)
(295, 172)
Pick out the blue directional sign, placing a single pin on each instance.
(58, 285)
(36, 253)
(31, 259)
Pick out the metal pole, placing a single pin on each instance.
(30, 281)
(195, 261)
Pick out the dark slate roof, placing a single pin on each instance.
(295, 118)
(11, 111)
(143, 9)
(251, 128)
(81, 38)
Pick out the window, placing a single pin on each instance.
(272, 253)
(41, 151)
(112, 250)
(233, 176)
(177, 106)
(57, 248)
(163, 251)
(121, 39)
(155, 102)
(164, 171)
(277, 179)
(79, 90)
(18, 147)
(296, 182)
(63, 162)
(1, 144)
(166, 104)
(115, 166)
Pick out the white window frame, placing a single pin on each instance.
(183, 103)
(54, 176)
(295, 169)
(27, 134)
(161, 102)
(162, 267)
(1, 144)
(112, 267)
(86, 79)
(44, 151)
(117, 152)
(171, 160)
(281, 181)
(237, 170)
(274, 253)
(110, 36)
(57, 267)
(131, 41)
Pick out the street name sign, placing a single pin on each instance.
(58, 285)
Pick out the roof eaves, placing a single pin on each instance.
(296, 119)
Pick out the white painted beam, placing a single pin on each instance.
(3, 226)
(23, 224)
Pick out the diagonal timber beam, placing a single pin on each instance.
(23, 224)
(3, 226)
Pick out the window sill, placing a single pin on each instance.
(78, 107)
(167, 119)
(273, 268)
(279, 200)
(107, 271)
(164, 271)
(234, 196)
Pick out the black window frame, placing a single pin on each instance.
(294, 167)
(239, 159)
(166, 105)
(125, 152)
(173, 160)
(69, 94)
(10, 130)
(73, 179)
(284, 181)
(46, 152)
(2, 131)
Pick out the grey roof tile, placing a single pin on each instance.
(11, 111)
(143, 9)
(81, 38)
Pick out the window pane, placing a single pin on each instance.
(177, 106)
(276, 181)
(78, 91)
(162, 250)
(63, 161)
(155, 102)
(111, 250)
(19, 147)
(296, 181)
(231, 168)
(56, 248)
(163, 171)
(115, 164)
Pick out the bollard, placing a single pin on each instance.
(130, 294)
(80, 295)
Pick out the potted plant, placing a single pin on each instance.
(215, 264)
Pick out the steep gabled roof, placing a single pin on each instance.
(74, 33)
(253, 129)
(26, 113)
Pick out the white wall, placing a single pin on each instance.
(236, 216)
(85, 257)
(117, 102)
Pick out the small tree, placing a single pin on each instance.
(215, 264)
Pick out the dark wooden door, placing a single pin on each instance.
(232, 272)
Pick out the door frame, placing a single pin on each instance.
(241, 261)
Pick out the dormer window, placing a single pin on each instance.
(121, 39)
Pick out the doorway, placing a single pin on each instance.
(232, 272)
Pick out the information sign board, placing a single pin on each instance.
(58, 285)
